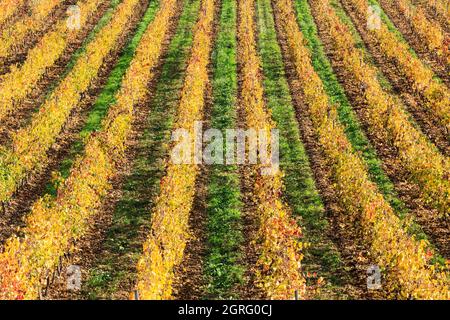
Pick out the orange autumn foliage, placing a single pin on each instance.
(435, 94)
(8, 8)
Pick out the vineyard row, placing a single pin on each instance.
(403, 259)
(54, 224)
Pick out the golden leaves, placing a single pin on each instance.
(279, 261)
(54, 224)
(164, 248)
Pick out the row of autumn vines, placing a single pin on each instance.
(426, 166)
(31, 144)
(435, 94)
(403, 259)
(55, 223)
(164, 248)
(21, 81)
(15, 35)
(278, 268)
(439, 8)
(9, 8)
(429, 32)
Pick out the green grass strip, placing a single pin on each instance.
(292, 151)
(123, 245)
(107, 96)
(223, 269)
(302, 195)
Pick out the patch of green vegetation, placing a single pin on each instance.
(302, 194)
(115, 268)
(223, 268)
(106, 98)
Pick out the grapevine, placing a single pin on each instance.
(30, 144)
(55, 223)
(435, 94)
(279, 250)
(427, 167)
(15, 36)
(430, 33)
(403, 258)
(8, 8)
(20, 82)
(164, 247)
